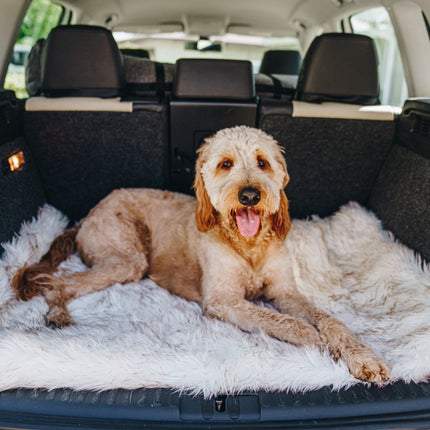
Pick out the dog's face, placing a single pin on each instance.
(240, 175)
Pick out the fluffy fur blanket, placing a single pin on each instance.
(138, 335)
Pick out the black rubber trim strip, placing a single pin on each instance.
(396, 406)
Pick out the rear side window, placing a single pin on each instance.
(41, 17)
(376, 24)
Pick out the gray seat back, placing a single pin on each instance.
(334, 134)
(85, 140)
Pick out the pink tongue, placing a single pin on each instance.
(248, 222)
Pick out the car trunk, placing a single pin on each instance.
(398, 194)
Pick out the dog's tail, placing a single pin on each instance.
(27, 280)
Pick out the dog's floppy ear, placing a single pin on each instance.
(281, 222)
(281, 160)
(205, 212)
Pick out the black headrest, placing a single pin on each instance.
(138, 53)
(81, 60)
(213, 79)
(281, 62)
(340, 67)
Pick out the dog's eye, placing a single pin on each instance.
(261, 163)
(227, 164)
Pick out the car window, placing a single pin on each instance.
(41, 17)
(376, 24)
(169, 47)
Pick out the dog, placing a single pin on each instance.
(223, 249)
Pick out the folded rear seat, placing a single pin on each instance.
(208, 95)
(85, 139)
(335, 134)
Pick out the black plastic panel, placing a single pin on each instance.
(397, 406)
(191, 122)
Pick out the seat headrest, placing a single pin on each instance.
(281, 62)
(340, 67)
(213, 79)
(81, 60)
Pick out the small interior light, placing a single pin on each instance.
(16, 161)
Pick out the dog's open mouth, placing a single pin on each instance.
(247, 221)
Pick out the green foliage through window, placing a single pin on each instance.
(41, 17)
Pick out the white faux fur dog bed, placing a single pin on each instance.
(138, 335)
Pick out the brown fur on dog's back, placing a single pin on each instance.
(27, 281)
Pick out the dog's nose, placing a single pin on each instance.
(249, 196)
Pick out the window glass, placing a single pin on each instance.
(41, 17)
(376, 24)
(168, 47)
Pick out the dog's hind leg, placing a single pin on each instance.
(104, 273)
(114, 242)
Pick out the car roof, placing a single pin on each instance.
(204, 18)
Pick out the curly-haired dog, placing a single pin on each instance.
(222, 249)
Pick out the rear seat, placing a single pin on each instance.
(335, 134)
(208, 95)
(85, 139)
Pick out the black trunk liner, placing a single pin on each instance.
(394, 406)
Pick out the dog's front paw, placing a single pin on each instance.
(367, 366)
(58, 318)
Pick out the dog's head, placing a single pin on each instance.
(240, 176)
